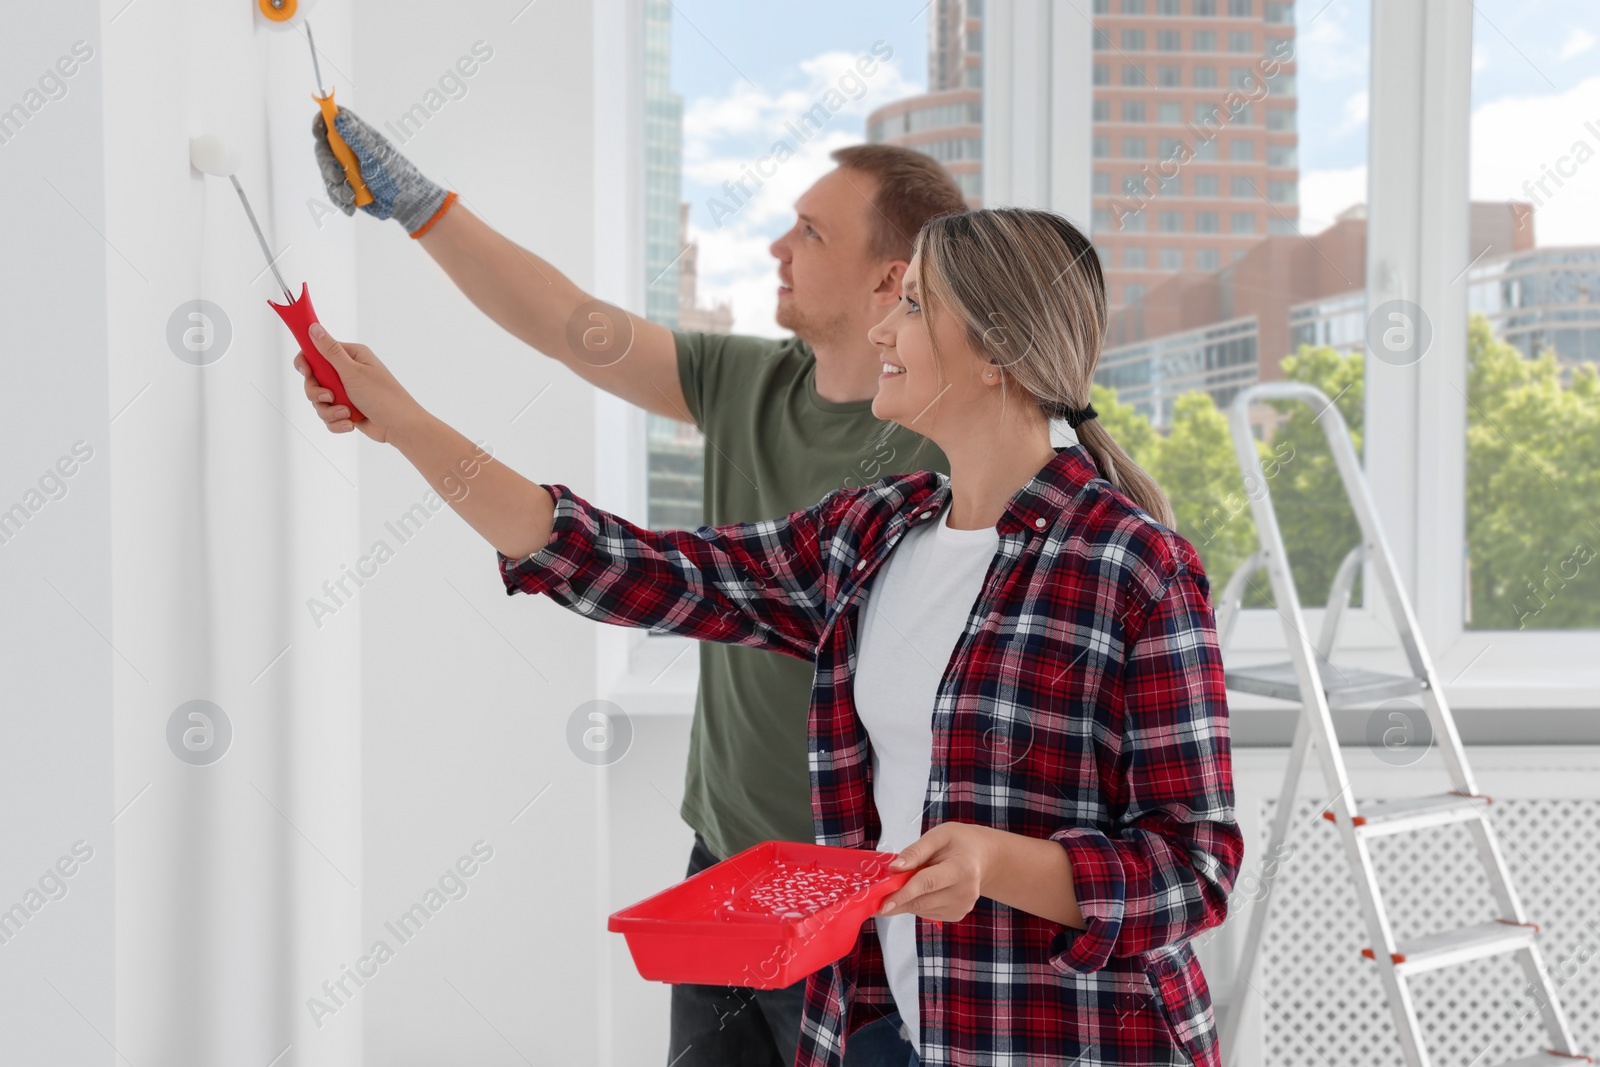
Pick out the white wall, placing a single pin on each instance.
(368, 752)
(55, 667)
(468, 691)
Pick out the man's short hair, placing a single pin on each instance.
(912, 188)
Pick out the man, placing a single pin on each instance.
(786, 423)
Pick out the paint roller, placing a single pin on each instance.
(211, 155)
(282, 14)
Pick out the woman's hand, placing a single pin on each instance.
(954, 857)
(383, 401)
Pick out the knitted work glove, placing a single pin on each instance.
(398, 189)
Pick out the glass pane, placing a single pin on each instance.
(1533, 400)
(1235, 253)
(743, 104)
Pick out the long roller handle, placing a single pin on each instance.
(298, 315)
(341, 151)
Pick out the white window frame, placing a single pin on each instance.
(1417, 209)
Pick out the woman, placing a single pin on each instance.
(1030, 708)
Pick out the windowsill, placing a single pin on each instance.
(1559, 706)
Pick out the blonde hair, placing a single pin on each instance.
(1028, 289)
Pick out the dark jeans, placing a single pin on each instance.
(732, 1026)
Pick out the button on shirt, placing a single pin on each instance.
(1086, 706)
(915, 613)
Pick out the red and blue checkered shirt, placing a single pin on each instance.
(1083, 703)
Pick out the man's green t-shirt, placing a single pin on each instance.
(772, 446)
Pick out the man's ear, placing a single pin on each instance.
(888, 290)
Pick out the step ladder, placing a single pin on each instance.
(1310, 679)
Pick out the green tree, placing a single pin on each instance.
(1533, 489)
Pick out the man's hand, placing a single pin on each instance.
(954, 858)
(399, 190)
(383, 401)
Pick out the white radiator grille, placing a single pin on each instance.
(1323, 1004)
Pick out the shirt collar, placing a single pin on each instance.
(1035, 507)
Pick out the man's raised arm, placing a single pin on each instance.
(626, 355)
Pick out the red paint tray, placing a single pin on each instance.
(764, 918)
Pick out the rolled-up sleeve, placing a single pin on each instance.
(1162, 871)
(761, 584)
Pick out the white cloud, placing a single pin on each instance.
(1578, 41)
(1325, 193)
(1480, 57)
(1353, 114)
(725, 136)
(1519, 140)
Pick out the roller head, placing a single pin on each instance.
(281, 14)
(211, 155)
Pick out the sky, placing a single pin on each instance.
(745, 69)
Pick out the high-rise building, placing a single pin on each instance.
(1193, 140)
(663, 163)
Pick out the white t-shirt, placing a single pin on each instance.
(916, 612)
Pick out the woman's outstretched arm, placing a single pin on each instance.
(763, 584)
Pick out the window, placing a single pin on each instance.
(1277, 224)
(1241, 41)
(1205, 8)
(1207, 112)
(1281, 155)
(1171, 222)
(1169, 41)
(1241, 150)
(1206, 185)
(1205, 41)
(1102, 7)
(1242, 222)
(1280, 192)
(1205, 77)
(1241, 78)
(1172, 259)
(1102, 74)
(1171, 148)
(1133, 40)
(1169, 76)
(1172, 186)
(1169, 112)
(1102, 111)
(1100, 220)
(1206, 259)
(1102, 147)
(1133, 222)
(1133, 293)
(1205, 151)
(1133, 111)
(1239, 187)
(1133, 7)
(1280, 119)
(1280, 85)
(1530, 524)
(1102, 183)
(1102, 42)
(1240, 9)
(1279, 14)
(1167, 7)
(1133, 257)
(1133, 148)
(1133, 75)
(1206, 221)
(1244, 116)
(1133, 184)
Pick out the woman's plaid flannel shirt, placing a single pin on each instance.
(1084, 703)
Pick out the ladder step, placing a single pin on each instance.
(1382, 818)
(1344, 686)
(1549, 1059)
(1451, 947)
